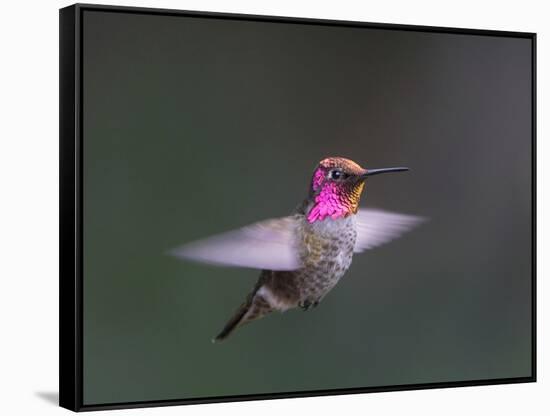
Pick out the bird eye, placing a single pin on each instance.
(335, 174)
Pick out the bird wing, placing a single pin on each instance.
(266, 244)
(376, 227)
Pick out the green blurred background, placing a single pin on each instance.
(193, 126)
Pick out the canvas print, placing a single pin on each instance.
(278, 207)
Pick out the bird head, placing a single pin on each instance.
(336, 187)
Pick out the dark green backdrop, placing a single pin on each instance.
(194, 126)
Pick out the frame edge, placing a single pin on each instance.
(70, 375)
(301, 20)
(534, 272)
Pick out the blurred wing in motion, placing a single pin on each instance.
(376, 227)
(266, 244)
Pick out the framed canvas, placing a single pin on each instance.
(258, 207)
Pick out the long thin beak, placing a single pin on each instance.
(371, 172)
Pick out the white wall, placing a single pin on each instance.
(29, 195)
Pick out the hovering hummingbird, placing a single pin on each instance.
(304, 255)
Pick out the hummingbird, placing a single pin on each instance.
(304, 255)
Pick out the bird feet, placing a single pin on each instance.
(306, 304)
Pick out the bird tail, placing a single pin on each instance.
(255, 307)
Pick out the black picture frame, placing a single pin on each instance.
(71, 197)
